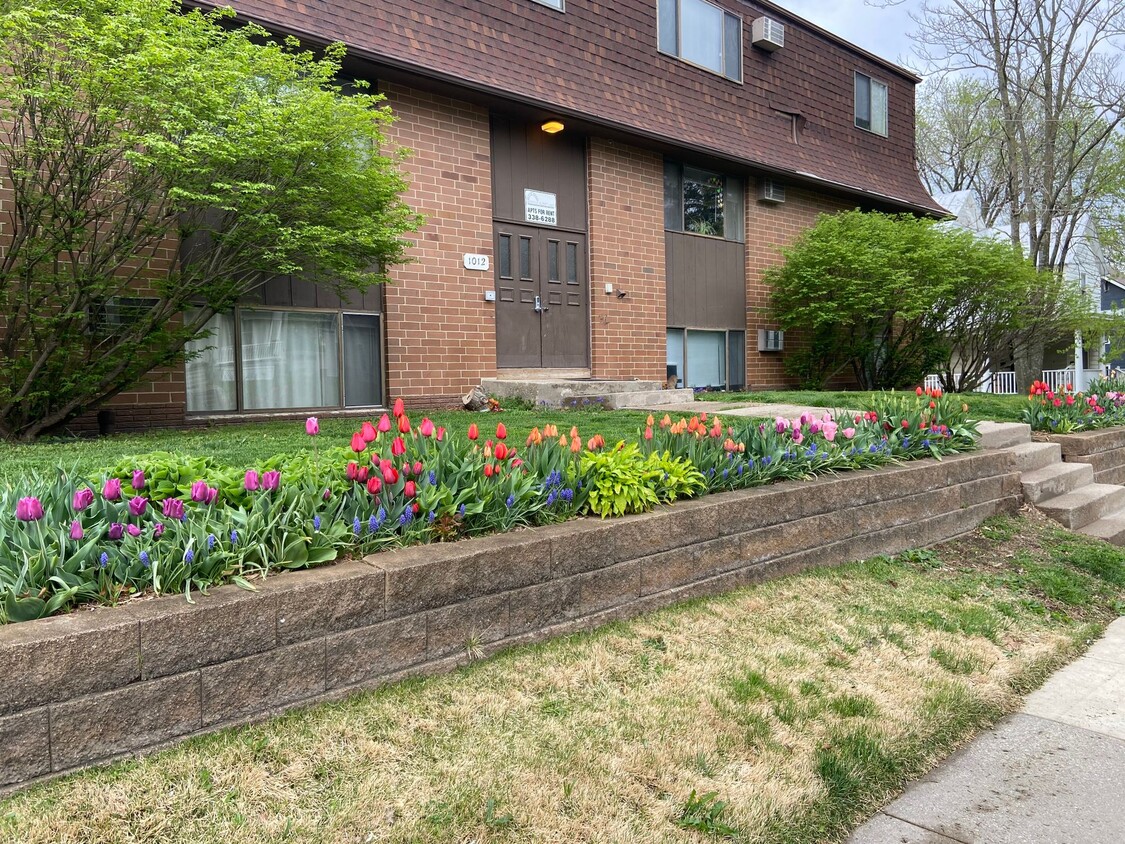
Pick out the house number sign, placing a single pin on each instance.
(476, 262)
(540, 207)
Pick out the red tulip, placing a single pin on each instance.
(648, 433)
(501, 431)
(390, 475)
(352, 471)
(399, 408)
(367, 431)
(398, 447)
(426, 429)
(358, 442)
(440, 434)
(473, 432)
(384, 423)
(418, 467)
(374, 485)
(488, 470)
(361, 475)
(501, 451)
(408, 489)
(918, 391)
(404, 424)
(384, 465)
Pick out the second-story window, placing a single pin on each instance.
(701, 202)
(554, 4)
(870, 104)
(703, 34)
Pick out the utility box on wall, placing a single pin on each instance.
(770, 341)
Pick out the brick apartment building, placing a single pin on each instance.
(604, 185)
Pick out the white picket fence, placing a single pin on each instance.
(1000, 383)
(1057, 379)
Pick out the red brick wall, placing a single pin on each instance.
(768, 228)
(627, 250)
(441, 334)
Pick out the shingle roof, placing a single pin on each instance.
(599, 60)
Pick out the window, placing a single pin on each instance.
(275, 359)
(554, 4)
(870, 104)
(701, 202)
(707, 359)
(703, 34)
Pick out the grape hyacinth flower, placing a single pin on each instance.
(567, 495)
(143, 557)
(355, 526)
(372, 524)
(510, 501)
(461, 511)
(234, 537)
(211, 542)
(103, 560)
(316, 522)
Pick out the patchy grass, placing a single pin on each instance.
(243, 444)
(981, 405)
(783, 713)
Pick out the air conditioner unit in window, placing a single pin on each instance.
(772, 191)
(767, 34)
(770, 341)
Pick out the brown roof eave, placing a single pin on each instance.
(310, 38)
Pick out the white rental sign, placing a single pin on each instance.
(540, 207)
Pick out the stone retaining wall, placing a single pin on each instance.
(99, 684)
(1104, 450)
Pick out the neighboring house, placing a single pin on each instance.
(625, 171)
(1086, 267)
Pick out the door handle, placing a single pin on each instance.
(539, 306)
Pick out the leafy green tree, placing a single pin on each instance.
(894, 298)
(127, 128)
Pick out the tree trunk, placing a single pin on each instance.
(1028, 363)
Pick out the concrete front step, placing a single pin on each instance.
(1032, 456)
(570, 392)
(1084, 505)
(644, 399)
(1111, 528)
(1003, 434)
(1055, 480)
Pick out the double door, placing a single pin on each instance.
(542, 301)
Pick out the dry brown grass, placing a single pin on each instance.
(803, 704)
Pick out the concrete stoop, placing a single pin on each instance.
(587, 392)
(1065, 492)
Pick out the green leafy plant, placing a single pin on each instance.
(704, 813)
(621, 481)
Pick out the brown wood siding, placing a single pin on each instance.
(524, 156)
(600, 61)
(289, 292)
(706, 281)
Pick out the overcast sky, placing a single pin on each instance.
(877, 28)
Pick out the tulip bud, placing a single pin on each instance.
(408, 489)
(367, 432)
(312, 426)
(358, 442)
(29, 509)
(418, 467)
(473, 432)
(404, 424)
(426, 429)
(361, 475)
(116, 531)
(138, 480)
(112, 490)
(501, 431)
(398, 447)
(374, 485)
(137, 505)
(399, 408)
(501, 451)
(82, 499)
(250, 481)
(76, 530)
(212, 494)
(199, 492)
(271, 480)
(351, 471)
(133, 530)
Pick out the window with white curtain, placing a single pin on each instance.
(870, 104)
(699, 358)
(274, 359)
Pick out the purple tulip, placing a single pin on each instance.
(133, 530)
(158, 529)
(138, 479)
(76, 532)
(312, 426)
(82, 499)
(327, 494)
(29, 509)
(116, 531)
(250, 481)
(212, 494)
(112, 489)
(271, 480)
(199, 492)
(173, 508)
(137, 505)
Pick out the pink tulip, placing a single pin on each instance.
(251, 481)
(384, 423)
(351, 471)
(367, 431)
(848, 433)
(781, 424)
(327, 494)
(112, 490)
(158, 529)
(408, 489)
(361, 475)
(358, 442)
(76, 532)
(212, 494)
(29, 509)
(399, 408)
(116, 531)
(138, 480)
(82, 499)
(199, 492)
(173, 508)
(398, 447)
(133, 530)
(426, 429)
(798, 437)
(829, 430)
(271, 480)
(312, 426)
(137, 505)
(440, 433)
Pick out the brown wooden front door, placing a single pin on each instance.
(542, 303)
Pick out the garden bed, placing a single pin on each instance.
(90, 686)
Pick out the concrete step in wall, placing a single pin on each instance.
(1084, 505)
(1055, 480)
(643, 400)
(1111, 528)
(1032, 456)
(1003, 434)
(580, 392)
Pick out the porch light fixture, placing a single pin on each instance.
(552, 126)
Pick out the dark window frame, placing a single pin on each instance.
(671, 30)
(734, 201)
(735, 355)
(863, 85)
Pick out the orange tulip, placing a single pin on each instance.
(501, 431)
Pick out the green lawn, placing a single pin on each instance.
(782, 714)
(981, 405)
(244, 443)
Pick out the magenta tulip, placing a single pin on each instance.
(312, 426)
(158, 529)
(271, 480)
(173, 508)
(133, 530)
(116, 531)
(138, 479)
(82, 499)
(199, 492)
(76, 530)
(250, 481)
(137, 505)
(29, 509)
(212, 494)
(112, 490)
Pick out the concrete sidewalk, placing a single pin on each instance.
(1052, 773)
